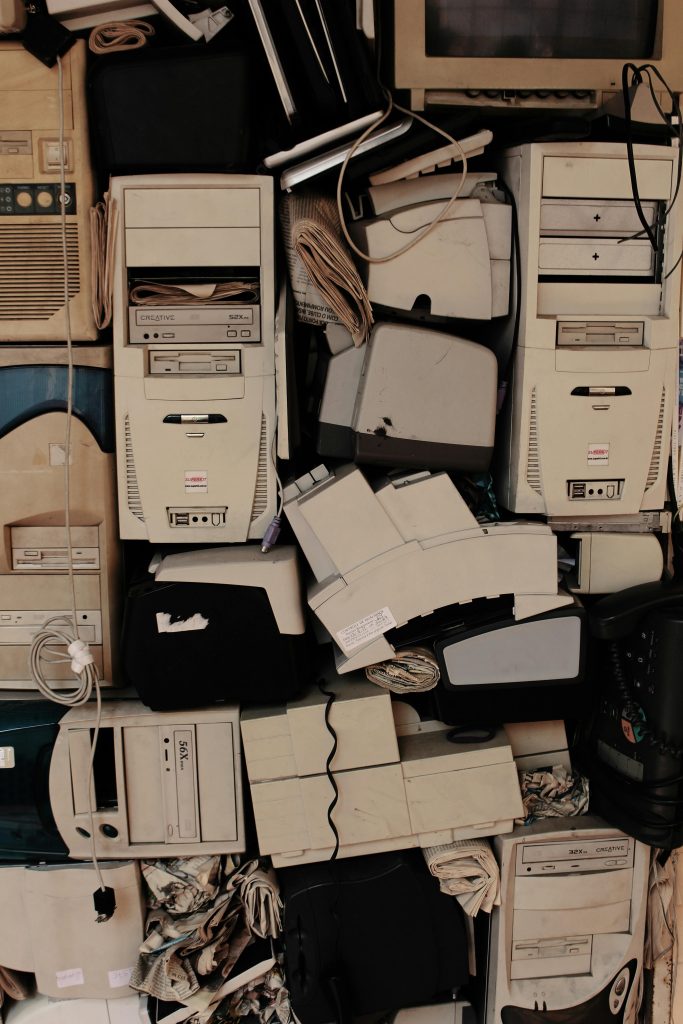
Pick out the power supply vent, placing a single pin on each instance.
(656, 460)
(261, 490)
(132, 488)
(32, 270)
(533, 465)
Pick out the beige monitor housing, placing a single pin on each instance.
(522, 81)
(31, 261)
(34, 581)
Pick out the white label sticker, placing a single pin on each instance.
(57, 451)
(598, 453)
(367, 628)
(68, 979)
(164, 624)
(6, 757)
(120, 978)
(196, 481)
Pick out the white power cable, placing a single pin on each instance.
(62, 630)
(391, 105)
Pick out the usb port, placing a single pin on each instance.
(181, 519)
(577, 490)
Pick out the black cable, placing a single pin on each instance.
(331, 697)
(637, 80)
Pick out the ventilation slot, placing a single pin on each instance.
(656, 460)
(132, 488)
(32, 270)
(533, 468)
(261, 490)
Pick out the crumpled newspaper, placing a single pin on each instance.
(552, 792)
(203, 914)
(13, 985)
(326, 285)
(182, 885)
(468, 870)
(267, 999)
(412, 670)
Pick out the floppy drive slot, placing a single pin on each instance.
(210, 363)
(44, 547)
(549, 958)
(600, 334)
(178, 752)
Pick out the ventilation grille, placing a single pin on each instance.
(132, 488)
(261, 490)
(533, 466)
(656, 460)
(32, 270)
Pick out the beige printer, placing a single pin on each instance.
(395, 791)
(461, 266)
(382, 557)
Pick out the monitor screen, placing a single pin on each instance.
(573, 29)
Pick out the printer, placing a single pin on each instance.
(566, 942)
(165, 785)
(223, 624)
(410, 396)
(385, 556)
(587, 424)
(34, 579)
(394, 791)
(51, 930)
(460, 268)
(194, 357)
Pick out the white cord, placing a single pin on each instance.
(62, 630)
(391, 105)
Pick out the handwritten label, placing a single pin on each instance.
(196, 621)
(365, 629)
(6, 757)
(120, 978)
(196, 481)
(69, 979)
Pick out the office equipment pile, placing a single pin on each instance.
(341, 600)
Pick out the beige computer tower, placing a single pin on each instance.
(31, 259)
(34, 582)
(587, 424)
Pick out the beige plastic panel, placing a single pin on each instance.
(548, 924)
(201, 247)
(460, 799)
(193, 208)
(594, 177)
(563, 893)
